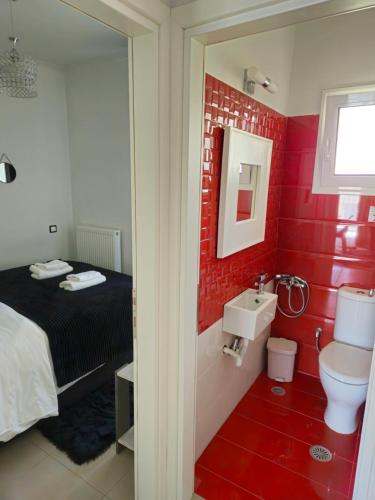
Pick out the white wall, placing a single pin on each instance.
(98, 111)
(303, 59)
(220, 384)
(271, 52)
(72, 140)
(334, 52)
(34, 134)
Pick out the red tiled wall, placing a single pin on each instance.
(223, 279)
(325, 239)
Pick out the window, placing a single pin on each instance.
(345, 159)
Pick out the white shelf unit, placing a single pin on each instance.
(127, 439)
(124, 431)
(126, 372)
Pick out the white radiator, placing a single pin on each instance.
(99, 246)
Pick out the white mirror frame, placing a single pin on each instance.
(242, 148)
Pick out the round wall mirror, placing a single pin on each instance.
(7, 172)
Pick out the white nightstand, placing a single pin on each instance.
(124, 431)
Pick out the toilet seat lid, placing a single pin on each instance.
(346, 363)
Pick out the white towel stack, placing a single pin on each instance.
(80, 281)
(42, 271)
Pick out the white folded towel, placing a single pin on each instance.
(39, 274)
(73, 286)
(53, 265)
(86, 276)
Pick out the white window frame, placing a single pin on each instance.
(325, 181)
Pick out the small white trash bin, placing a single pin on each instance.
(281, 357)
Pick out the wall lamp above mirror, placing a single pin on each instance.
(7, 171)
(253, 76)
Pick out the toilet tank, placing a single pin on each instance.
(355, 317)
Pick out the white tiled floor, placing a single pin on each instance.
(31, 468)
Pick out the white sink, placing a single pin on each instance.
(248, 314)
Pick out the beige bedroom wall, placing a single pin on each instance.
(34, 135)
(98, 117)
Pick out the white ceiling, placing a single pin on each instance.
(53, 32)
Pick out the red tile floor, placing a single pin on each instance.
(262, 450)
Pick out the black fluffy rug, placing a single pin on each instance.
(87, 429)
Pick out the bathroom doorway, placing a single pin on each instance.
(195, 61)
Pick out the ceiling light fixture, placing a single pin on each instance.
(18, 72)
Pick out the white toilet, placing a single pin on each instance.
(345, 363)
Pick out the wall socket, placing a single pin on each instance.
(53, 229)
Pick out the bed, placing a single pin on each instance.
(77, 340)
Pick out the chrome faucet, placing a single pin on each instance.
(371, 292)
(261, 283)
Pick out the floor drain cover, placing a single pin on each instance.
(320, 453)
(278, 391)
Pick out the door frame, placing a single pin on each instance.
(364, 487)
(148, 40)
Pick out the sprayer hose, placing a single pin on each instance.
(295, 313)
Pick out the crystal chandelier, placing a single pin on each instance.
(18, 73)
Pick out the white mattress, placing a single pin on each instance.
(28, 389)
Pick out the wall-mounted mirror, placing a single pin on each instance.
(244, 191)
(7, 172)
